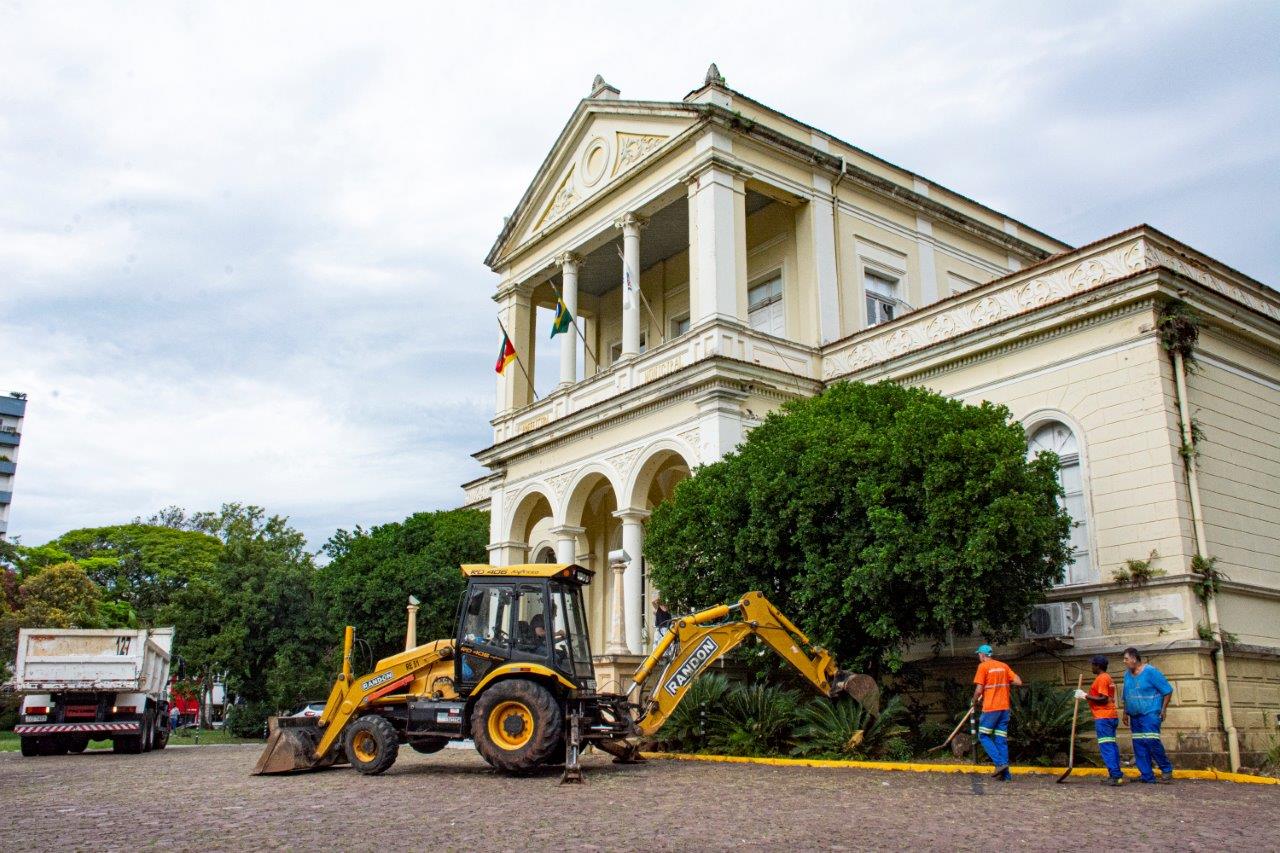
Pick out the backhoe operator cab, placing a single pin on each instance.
(524, 618)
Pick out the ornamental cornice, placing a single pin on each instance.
(1089, 269)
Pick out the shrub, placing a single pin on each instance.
(755, 719)
(1041, 725)
(688, 727)
(247, 719)
(844, 729)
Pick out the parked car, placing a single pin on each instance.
(311, 709)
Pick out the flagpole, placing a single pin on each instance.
(527, 377)
(574, 319)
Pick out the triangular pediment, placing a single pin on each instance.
(603, 141)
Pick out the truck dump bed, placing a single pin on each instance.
(75, 659)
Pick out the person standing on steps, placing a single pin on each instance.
(661, 618)
(991, 687)
(1146, 698)
(1102, 702)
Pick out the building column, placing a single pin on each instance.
(617, 622)
(720, 422)
(508, 553)
(717, 244)
(516, 314)
(569, 263)
(633, 579)
(567, 542)
(631, 224)
(816, 244)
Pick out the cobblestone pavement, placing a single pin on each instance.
(204, 798)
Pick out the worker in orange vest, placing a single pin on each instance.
(1102, 702)
(991, 687)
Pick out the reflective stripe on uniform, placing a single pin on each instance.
(999, 733)
(984, 730)
(1106, 740)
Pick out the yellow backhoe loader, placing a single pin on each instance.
(517, 678)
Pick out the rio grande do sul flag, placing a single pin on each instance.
(506, 354)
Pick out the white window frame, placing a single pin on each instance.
(615, 348)
(779, 299)
(893, 302)
(676, 322)
(1032, 424)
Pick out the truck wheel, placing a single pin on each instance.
(517, 725)
(76, 744)
(372, 744)
(30, 747)
(148, 731)
(428, 745)
(161, 738)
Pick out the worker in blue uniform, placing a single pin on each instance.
(1146, 698)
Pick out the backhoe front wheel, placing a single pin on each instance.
(372, 744)
(517, 725)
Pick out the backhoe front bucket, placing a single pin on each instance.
(291, 747)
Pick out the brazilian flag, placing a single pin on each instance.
(563, 319)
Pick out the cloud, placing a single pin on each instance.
(240, 245)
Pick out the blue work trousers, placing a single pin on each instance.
(1106, 729)
(993, 734)
(1147, 748)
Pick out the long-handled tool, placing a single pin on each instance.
(954, 731)
(1075, 716)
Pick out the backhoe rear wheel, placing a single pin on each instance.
(517, 725)
(372, 744)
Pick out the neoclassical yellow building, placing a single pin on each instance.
(769, 258)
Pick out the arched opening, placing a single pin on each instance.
(546, 555)
(529, 520)
(591, 505)
(1058, 437)
(655, 481)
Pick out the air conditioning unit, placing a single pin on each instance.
(1054, 621)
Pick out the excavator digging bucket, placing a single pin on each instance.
(863, 689)
(291, 747)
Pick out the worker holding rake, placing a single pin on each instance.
(1102, 702)
(991, 686)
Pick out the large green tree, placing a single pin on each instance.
(371, 574)
(251, 619)
(875, 515)
(141, 564)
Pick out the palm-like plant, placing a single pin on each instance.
(845, 729)
(1041, 725)
(689, 727)
(754, 719)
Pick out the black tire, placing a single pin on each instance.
(560, 755)
(372, 744)
(527, 726)
(30, 747)
(76, 744)
(428, 745)
(161, 738)
(148, 731)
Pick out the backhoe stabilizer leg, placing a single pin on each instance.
(573, 752)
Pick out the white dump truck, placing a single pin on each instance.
(79, 685)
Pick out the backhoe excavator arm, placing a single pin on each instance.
(704, 637)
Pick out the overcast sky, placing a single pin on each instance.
(241, 247)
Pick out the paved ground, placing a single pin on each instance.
(202, 798)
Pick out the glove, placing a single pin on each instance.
(1080, 694)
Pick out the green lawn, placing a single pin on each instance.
(9, 742)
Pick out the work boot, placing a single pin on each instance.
(1000, 772)
(1114, 782)
(1166, 779)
